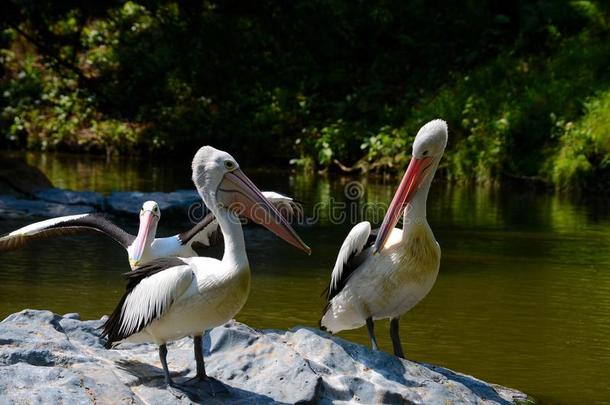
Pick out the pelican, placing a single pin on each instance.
(380, 275)
(171, 298)
(143, 247)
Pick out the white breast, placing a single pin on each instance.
(387, 284)
(216, 294)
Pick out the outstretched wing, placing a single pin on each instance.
(355, 249)
(67, 225)
(151, 291)
(205, 233)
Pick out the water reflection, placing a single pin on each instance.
(522, 298)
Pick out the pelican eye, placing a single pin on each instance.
(230, 165)
(425, 153)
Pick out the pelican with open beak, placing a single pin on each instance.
(171, 298)
(383, 274)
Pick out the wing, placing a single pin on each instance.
(355, 249)
(206, 232)
(151, 291)
(287, 206)
(67, 225)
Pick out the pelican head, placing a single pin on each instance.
(223, 186)
(149, 219)
(431, 140)
(428, 148)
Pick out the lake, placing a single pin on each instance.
(522, 298)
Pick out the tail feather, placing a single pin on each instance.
(322, 327)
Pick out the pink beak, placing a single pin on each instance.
(139, 243)
(237, 191)
(406, 190)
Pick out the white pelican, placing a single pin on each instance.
(171, 298)
(384, 274)
(143, 247)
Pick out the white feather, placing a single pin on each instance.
(36, 227)
(153, 296)
(168, 247)
(205, 235)
(353, 244)
(274, 196)
(285, 205)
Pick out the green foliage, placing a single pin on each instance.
(584, 152)
(503, 115)
(49, 111)
(325, 82)
(387, 148)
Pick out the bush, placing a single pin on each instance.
(583, 156)
(326, 83)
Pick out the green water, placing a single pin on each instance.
(522, 298)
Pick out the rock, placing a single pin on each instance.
(55, 202)
(47, 358)
(130, 202)
(17, 178)
(69, 197)
(11, 207)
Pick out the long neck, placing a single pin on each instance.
(233, 235)
(235, 248)
(415, 213)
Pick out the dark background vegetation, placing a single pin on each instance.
(339, 85)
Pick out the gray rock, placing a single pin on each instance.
(130, 202)
(54, 202)
(11, 207)
(46, 358)
(69, 197)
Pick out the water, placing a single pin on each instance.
(522, 298)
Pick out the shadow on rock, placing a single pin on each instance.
(479, 387)
(145, 373)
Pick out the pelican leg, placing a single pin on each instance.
(168, 380)
(214, 386)
(396, 338)
(163, 357)
(198, 350)
(197, 342)
(371, 328)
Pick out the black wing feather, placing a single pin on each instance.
(186, 236)
(112, 326)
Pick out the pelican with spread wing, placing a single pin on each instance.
(145, 246)
(171, 298)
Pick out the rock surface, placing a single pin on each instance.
(54, 202)
(47, 358)
(69, 197)
(130, 202)
(12, 207)
(26, 192)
